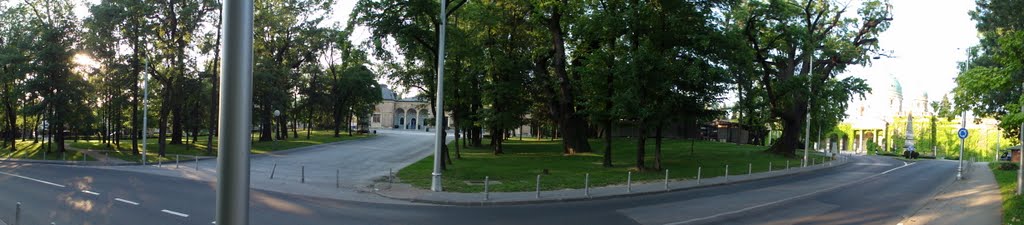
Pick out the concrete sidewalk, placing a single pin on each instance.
(974, 200)
(408, 193)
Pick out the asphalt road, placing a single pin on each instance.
(855, 193)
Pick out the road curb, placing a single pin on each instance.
(604, 197)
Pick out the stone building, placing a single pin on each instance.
(396, 112)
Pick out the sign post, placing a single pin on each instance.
(962, 133)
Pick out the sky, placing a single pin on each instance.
(927, 39)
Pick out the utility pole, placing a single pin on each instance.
(145, 112)
(1020, 168)
(235, 113)
(435, 183)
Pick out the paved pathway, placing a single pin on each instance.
(974, 200)
(409, 193)
(98, 155)
(344, 170)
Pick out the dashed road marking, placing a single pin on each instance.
(174, 213)
(90, 192)
(785, 200)
(32, 179)
(126, 201)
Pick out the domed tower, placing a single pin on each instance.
(895, 96)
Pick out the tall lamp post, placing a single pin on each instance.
(145, 112)
(235, 113)
(435, 183)
(277, 133)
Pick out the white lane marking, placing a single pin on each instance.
(32, 179)
(872, 164)
(126, 201)
(174, 213)
(905, 164)
(783, 200)
(90, 192)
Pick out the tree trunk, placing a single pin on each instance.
(607, 143)
(266, 129)
(496, 138)
(162, 134)
(657, 146)
(135, 120)
(571, 124)
(309, 121)
(790, 138)
(641, 143)
(458, 152)
(12, 124)
(337, 120)
(177, 124)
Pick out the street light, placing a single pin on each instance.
(435, 182)
(277, 135)
(235, 113)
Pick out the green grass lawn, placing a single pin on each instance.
(198, 148)
(523, 160)
(1013, 205)
(29, 150)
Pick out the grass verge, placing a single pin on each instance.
(29, 150)
(198, 148)
(524, 160)
(1013, 204)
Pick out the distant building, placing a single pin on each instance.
(396, 112)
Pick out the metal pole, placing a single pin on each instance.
(487, 186)
(197, 161)
(538, 186)
(960, 159)
(145, 112)
(750, 169)
(17, 214)
(235, 113)
(1020, 170)
(769, 166)
(303, 175)
(727, 173)
(438, 119)
(337, 178)
(177, 160)
(272, 170)
(698, 175)
(666, 179)
(586, 184)
(629, 181)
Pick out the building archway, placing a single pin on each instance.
(413, 119)
(399, 118)
(423, 115)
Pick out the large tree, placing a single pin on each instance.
(789, 37)
(990, 81)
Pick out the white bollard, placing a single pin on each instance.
(750, 169)
(177, 160)
(769, 166)
(487, 191)
(629, 181)
(538, 186)
(698, 175)
(586, 185)
(787, 164)
(666, 179)
(726, 172)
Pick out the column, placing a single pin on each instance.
(860, 140)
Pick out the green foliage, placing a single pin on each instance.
(1013, 204)
(989, 82)
(524, 160)
(788, 34)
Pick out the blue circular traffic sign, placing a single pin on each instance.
(962, 133)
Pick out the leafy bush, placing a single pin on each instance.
(1008, 166)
